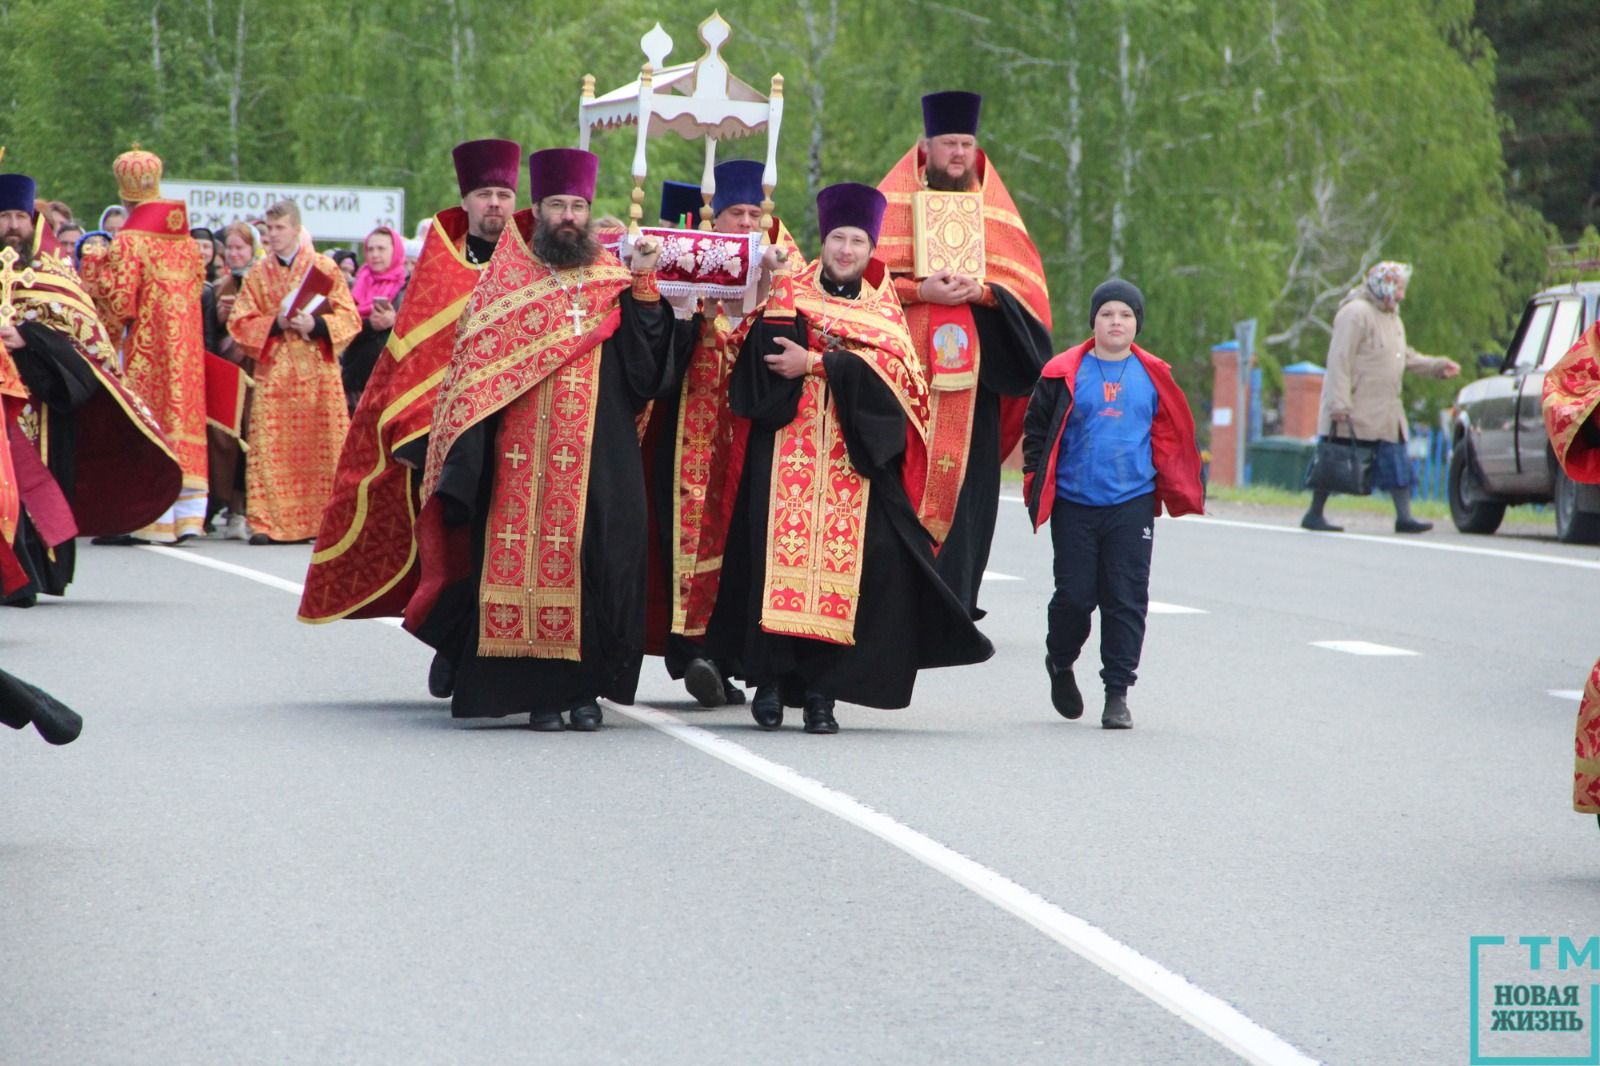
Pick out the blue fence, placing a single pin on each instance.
(1430, 469)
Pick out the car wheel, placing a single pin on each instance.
(1469, 509)
(1572, 525)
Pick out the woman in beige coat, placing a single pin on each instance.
(1367, 357)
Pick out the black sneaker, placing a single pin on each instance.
(1411, 525)
(1116, 714)
(1064, 694)
(1317, 524)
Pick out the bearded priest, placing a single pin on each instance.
(533, 529)
(364, 564)
(828, 589)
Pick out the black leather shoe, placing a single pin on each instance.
(704, 683)
(259, 539)
(1064, 694)
(732, 691)
(55, 721)
(586, 718)
(1317, 524)
(441, 677)
(767, 708)
(1116, 715)
(1411, 525)
(121, 540)
(546, 722)
(819, 714)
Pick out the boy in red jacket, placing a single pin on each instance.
(1107, 442)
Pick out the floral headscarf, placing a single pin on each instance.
(1384, 278)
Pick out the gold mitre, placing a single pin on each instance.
(138, 175)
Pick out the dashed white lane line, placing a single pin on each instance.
(1573, 694)
(1214, 1017)
(1360, 647)
(994, 575)
(1157, 607)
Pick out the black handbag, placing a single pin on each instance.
(1342, 464)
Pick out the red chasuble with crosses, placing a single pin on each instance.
(528, 348)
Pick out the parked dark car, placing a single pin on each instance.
(1501, 453)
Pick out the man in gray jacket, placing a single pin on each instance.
(1367, 358)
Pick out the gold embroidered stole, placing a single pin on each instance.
(704, 460)
(817, 513)
(518, 351)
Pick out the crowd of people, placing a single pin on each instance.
(508, 437)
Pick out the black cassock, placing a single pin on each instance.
(661, 455)
(635, 366)
(59, 380)
(907, 619)
(1015, 346)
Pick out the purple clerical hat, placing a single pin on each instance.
(850, 204)
(491, 163)
(738, 182)
(562, 172)
(952, 112)
(16, 193)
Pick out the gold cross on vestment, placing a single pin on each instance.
(564, 458)
(572, 377)
(517, 456)
(557, 540)
(945, 463)
(508, 537)
(10, 279)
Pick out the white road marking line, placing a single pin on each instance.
(1360, 647)
(992, 575)
(1402, 542)
(1214, 1017)
(260, 577)
(1157, 607)
(1395, 541)
(1573, 694)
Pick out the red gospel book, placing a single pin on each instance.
(227, 391)
(312, 295)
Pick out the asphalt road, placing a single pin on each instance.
(270, 846)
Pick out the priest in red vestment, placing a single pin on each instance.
(981, 330)
(532, 536)
(79, 453)
(829, 590)
(1571, 398)
(694, 450)
(147, 283)
(365, 561)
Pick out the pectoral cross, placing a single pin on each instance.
(576, 314)
(10, 279)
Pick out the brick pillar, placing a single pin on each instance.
(1302, 399)
(1225, 462)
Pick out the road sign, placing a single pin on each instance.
(329, 212)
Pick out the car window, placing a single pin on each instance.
(1530, 338)
(1563, 331)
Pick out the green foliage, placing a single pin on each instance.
(1236, 158)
